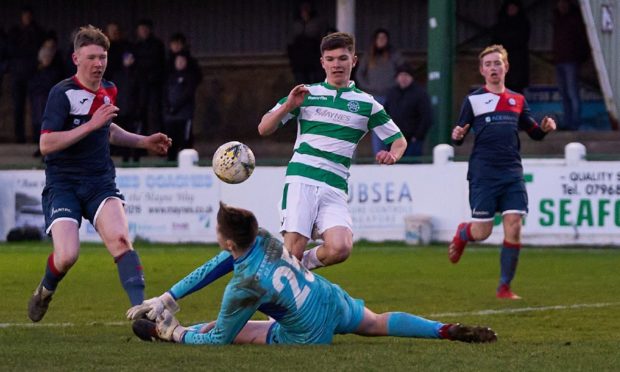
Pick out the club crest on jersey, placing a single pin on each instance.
(512, 102)
(107, 101)
(353, 106)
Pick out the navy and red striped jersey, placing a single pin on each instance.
(495, 120)
(69, 105)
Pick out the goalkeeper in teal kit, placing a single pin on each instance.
(304, 308)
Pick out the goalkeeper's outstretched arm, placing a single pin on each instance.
(210, 271)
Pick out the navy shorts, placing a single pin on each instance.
(488, 197)
(72, 200)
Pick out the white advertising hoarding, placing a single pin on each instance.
(568, 204)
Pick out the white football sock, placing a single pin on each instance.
(310, 260)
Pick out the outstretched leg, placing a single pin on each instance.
(401, 324)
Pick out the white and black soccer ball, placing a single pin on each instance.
(233, 162)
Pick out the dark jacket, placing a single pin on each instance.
(410, 108)
(179, 97)
(150, 60)
(23, 49)
(513, 32)
(570, 43)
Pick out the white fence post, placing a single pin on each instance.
(574, 153)
(188, 158)
(442, 154)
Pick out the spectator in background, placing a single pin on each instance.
(121, 70)
(24, 41)
(177, 45)
(570, 50)
(67, 56)
(4, 56)
(128, 99)
(119, 46)
(305, 43)
(49, 72)
(179, 105)
(513, 32)
(410, 107)
(150, 55)
(376, 72)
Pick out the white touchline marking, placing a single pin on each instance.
(435, 315)
(61, 325)
(525, 309)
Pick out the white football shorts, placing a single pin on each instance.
(304, 207)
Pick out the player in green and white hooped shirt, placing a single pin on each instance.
(332, 118)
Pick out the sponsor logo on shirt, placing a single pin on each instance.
(317, 98)
(335, 116)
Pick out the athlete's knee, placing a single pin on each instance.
(65, 260)
(481, 230)
(512, 227)
(513, 233)
(338, 251)
(373, 324)
(119, 243)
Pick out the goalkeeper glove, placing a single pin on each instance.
(153, 307)
(168, 327)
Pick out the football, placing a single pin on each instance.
(233, 162)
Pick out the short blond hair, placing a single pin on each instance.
(495, 48)
(90, 35)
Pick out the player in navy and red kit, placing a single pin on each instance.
(495, 115)
(76, 134)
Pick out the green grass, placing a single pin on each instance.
(389, 277)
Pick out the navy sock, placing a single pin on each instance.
(509, 258)
(131, 276)
(408, 325)
(52, 276)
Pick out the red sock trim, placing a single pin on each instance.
(511, 245)
(50, 264)
(443, 331)
(470, 237)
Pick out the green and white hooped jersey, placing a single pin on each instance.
(331, 122)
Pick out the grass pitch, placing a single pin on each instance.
(568, 319)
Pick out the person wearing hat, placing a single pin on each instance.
(409, 105)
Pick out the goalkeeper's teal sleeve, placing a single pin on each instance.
(210, 271)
